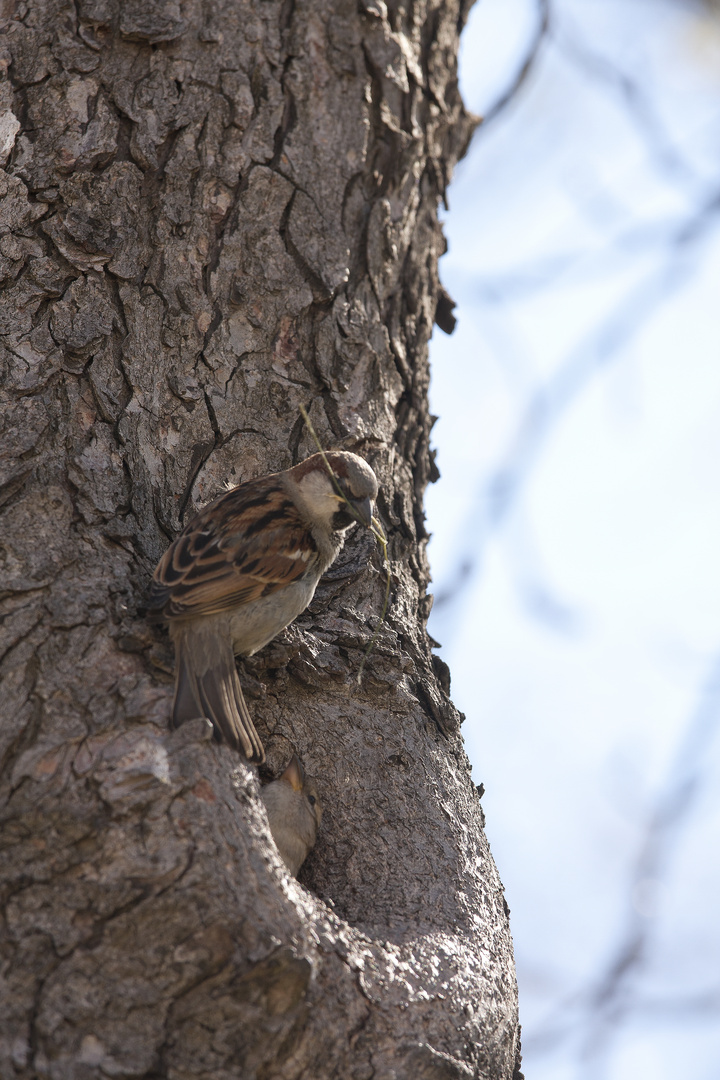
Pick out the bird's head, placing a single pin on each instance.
(340, 499)
(304, 789)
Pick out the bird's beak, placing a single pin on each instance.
(364, 510)
(294, 775)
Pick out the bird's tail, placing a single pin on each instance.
(207, 684)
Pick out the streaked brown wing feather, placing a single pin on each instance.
(245, 545)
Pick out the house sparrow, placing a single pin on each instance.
(242, 570)
(294, 813)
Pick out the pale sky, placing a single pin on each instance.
(579, 446)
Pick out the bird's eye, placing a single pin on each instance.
(311, 800)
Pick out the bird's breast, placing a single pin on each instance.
(253, 625)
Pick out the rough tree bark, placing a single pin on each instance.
(213, 212)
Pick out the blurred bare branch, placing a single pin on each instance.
(526, 66)
(546, 406)
(612, 997)
(549, 403)
(637, 103)
(597, 1012)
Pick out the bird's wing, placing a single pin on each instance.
(243, 546)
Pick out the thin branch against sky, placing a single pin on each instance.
(592, 1016)
(671, 240)
(524, 69)
(548, 403)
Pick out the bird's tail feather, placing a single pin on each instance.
(207, 684)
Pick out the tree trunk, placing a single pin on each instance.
(211, 214)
